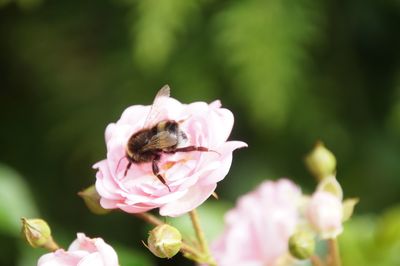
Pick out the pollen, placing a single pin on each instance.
(166, 166)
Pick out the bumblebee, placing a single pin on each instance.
(157, 138)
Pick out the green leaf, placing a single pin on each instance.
(370, 241)
(4, 2)
(29, 4)
(388, 229)
(157, 28)
(16, 201)
(263, 43)
(357, 242)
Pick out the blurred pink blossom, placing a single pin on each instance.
(83, 251)
(257, 230)
(325, 214)
(192, 176)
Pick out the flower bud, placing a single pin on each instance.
(321, 162)
(92, 200)
(37, 233)
(331, 185)
(164, 241)
(325, 213)
(302, 245)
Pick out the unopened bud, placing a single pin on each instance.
(321, 162)
(38, 234)
(92, 200)
(164, 241)
(302, 245)
(331, 185)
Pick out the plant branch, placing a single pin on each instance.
(188, 249)
(334, 254)
(201, 237)
(199, 233)
(51, 245)
(316, 261)
(149, 218)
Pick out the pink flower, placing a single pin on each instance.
(325, 214)
(258, 229)
(83, 251)
(191, 176)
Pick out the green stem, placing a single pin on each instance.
(199, 233)
(201, 238)
(194, 253)
(51, 245)
(149, 218)
(316, 261)
(334, 254)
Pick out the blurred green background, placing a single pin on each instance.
(291, 71)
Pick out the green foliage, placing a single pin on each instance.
(23, 4)
(16, 201)
(292, 72)
(369, 240)
(27, 255)
(263, 44)
(157, 28)
(388, 229)
(131, 257)
(357, 241)
(392, 120)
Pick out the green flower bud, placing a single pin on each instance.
(164, 241)
(38, 234)
(321, 162)
(302, 245)
(92, 200)
(331, 185)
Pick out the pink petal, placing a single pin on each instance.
(92, 260)
(61, 258)
(195, 196)
(225, 159)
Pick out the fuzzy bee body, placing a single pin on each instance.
(157, 138)
(135, 144)
(148, 144)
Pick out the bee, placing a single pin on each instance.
(157, 138)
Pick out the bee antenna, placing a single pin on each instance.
(116, 169)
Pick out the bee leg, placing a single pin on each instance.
(192, 148)
(127, 168)
(188, 149)
(156, 172)
(116, 169)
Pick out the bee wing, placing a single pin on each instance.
(151, 118)
(183, 139)
(160, 141)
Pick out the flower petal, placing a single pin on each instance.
(195, 196)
